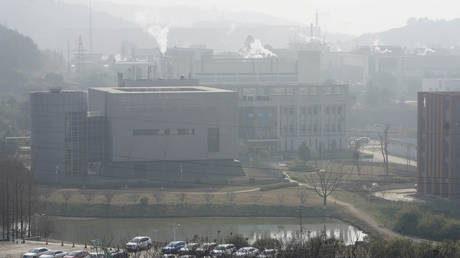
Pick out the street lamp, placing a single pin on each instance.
(175, 228)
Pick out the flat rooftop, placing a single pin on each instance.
(162, 89)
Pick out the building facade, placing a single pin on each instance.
(438, 144)
(58, 134)
(280, 117)
(165, 129)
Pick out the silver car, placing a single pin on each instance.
(35, 253)
(223, 250)
(139, 243)
(247, 252)
(53, 254)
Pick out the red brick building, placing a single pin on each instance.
(438, 157)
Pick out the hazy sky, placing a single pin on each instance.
(347, 16)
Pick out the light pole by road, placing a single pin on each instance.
(175, 228)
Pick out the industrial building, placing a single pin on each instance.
(59, 134)
(438, 144)
(135, 132)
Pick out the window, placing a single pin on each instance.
(167, 131)
(139, 132)
(213, 139)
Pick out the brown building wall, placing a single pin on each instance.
(437, 143)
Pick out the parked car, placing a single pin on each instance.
(35, 253)
(78, 254)
(173, 247)
(96, 255)
(205, 249)
(189, 249)
(53, 254)
(223, 250)
(119, 254)
(247, 252)
(139, 243)
(268, 253)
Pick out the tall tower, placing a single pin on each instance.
(90, 28)
(80, 54)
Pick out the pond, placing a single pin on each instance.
(211, 229)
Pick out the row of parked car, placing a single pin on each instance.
(183, 249)
(42, 252)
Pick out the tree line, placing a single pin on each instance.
(17, 188)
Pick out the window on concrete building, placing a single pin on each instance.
(213, 139)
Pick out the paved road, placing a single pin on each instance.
(362, 215)
(374, 149)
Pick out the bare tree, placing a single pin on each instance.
(88, 195)
(45, 226)
(230, 196)
(302, 194)
(66, 195)
(355, 147)
(326, 181)
(134, 197)
(182, 196)
(383, 137)
(108, 195)
(281, 198)
(158, 195)
(208, 197)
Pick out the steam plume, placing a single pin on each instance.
(155, 29)
(253, 48)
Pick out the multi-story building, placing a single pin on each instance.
(280, 117)
(438, 144)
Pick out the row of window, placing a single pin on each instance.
(291, 91)
(315, 128)
(178, 131)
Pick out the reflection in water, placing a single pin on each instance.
(164, 229)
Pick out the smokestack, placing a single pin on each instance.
(317, 20)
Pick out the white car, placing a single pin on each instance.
(53, 254)
(247, 252)
(35, 253)
(223, 250)
(139, 243)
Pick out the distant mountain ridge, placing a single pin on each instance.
(417, 33)
(52, 24)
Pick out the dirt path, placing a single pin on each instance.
(362, 215)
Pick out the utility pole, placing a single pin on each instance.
(300, 221)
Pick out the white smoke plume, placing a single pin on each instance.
(377, 49)
(253, 48)
(155, 29)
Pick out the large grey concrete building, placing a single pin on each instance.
(59, 134)
(173, 127)
(135, 132)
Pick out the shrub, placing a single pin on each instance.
(238, 240)
(278, 186)
(267, 243)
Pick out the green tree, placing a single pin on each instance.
(304, 152)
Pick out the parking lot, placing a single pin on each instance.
(15, 250)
